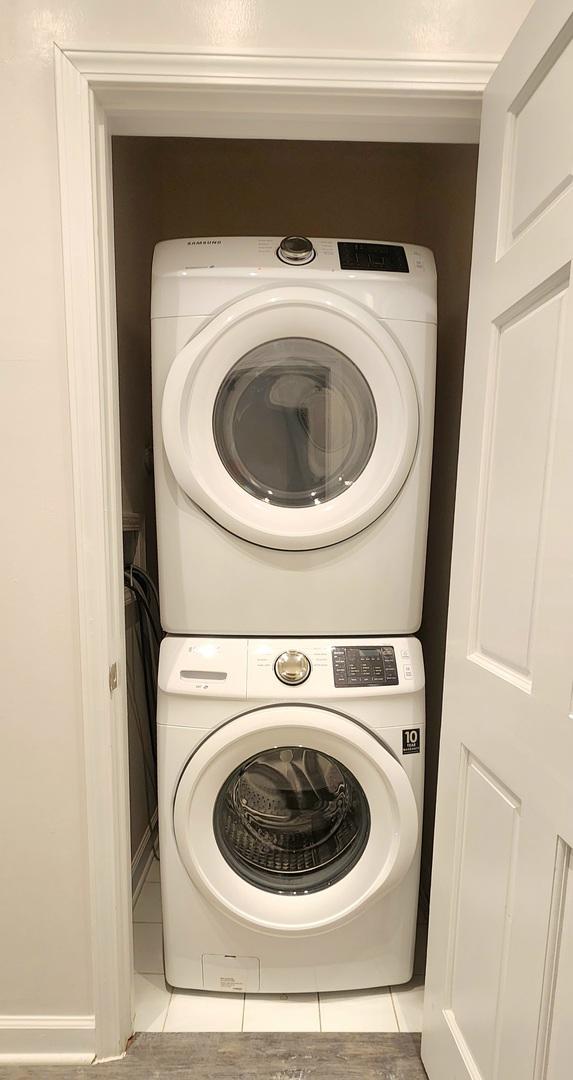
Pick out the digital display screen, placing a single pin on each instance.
(390, 258)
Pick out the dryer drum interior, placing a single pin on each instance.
(291, 820)
(295, 422)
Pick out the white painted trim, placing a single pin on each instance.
(254, 95)
(51, 1040)
(185, 118)
(278, 68)
(143, 859)
(85, 159)
(282, 96)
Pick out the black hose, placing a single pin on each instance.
(136, 588)
(148, 636)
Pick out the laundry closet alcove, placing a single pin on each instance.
(167, 188)
(99, 93)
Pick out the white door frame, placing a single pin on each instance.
(204, 93)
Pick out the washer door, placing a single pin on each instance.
(293, 817)
(291, 418)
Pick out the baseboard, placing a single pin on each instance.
(35, 1040)
(143, 858)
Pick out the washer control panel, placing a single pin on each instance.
(333, 668)
(364, 665)
(291, 669)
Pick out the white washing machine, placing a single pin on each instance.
(290, 811)
(293, 393)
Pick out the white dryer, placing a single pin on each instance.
(290, 812)
(293, 393)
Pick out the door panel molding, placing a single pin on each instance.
(512, 228)
(524, 476)
(561, 894)
(485, 785)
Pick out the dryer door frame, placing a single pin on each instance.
(389, 849)
(261, 318)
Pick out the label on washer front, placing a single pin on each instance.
(229, 982)
(411, 740)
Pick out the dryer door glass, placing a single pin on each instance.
(295, 422)
(291, 820)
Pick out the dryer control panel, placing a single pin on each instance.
(196, 276)
(289, 255)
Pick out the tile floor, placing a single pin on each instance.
(157, 1008)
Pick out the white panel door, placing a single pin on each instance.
(499, 990)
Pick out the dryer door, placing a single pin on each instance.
(291, 418)
(293, 817)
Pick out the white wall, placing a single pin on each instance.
(45, 967)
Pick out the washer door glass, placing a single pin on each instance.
(295, 422)
(291, 820)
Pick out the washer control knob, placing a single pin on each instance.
(296, 250)
(292, 667)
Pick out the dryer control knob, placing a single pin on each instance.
(296, 250)
(292, 667)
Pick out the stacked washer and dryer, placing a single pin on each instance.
(293, 393)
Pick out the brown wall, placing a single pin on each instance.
(137, 225)
(423, 194)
